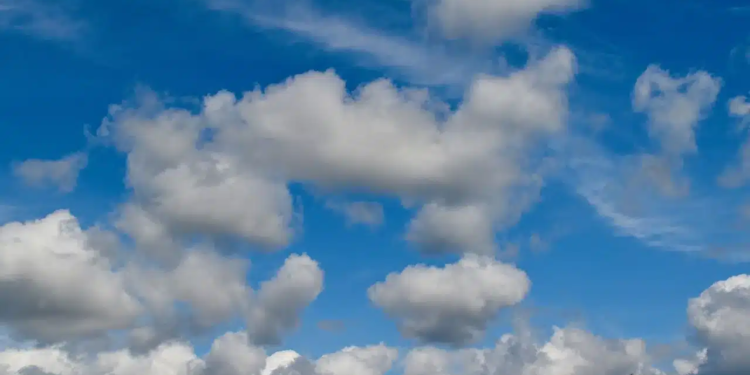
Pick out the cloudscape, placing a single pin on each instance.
(374, 187)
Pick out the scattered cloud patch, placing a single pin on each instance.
(62, 173)
(363, 213)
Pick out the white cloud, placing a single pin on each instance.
(453, 304)
(439, 230)
(674, 105)
(62, 173)
(721, 319)
(364, 213)
(309, 129)
(55, 287)
(569, 351)
(281, 299)
(40, 19)
(737, 174)
(403, 57)
(491, 20)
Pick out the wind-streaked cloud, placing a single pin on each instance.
(41, 19)
(699, 223)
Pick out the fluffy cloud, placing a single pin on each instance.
(55, 286)
(568, 352)
(230, 354)
(62, 173)
(491, 21)
(58, 284)
(721, 319)
(453, 304)
(224, 171)
(281, 299)
(437, 230)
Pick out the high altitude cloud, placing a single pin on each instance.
(62, 173)
(489, 20)
(381, 139)
(739, 172)
(453, 304)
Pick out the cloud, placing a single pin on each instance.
(700, 223)
(569, 351)
(54, 286)
(62, 173)
(453, 304)
(491, 21)
(281, 299)
(229, 355)
(735, 175)
(40, 19)
(60, 283)
(440, 230)
(365, 213)
(721, 319)
(403, 57)
(674, 106)
(310, 129)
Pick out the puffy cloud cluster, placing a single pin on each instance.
(57, 285)
(453, 304)
(224, 170)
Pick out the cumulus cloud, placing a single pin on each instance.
(438, 230)
(721, 319)
(569, 351)
(491, 21)
(281, 299)
(453, 304)
(224, 171)
(230, 354)
(59, 283)
(62, 173)
(54, 286)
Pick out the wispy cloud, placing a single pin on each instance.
(41, 19)
(699, 223)
(407, 58)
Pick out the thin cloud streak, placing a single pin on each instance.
(39, 19)
(694, 224)
(412, 60)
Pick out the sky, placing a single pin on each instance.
(379, 187)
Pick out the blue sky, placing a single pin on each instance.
(619, 205)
